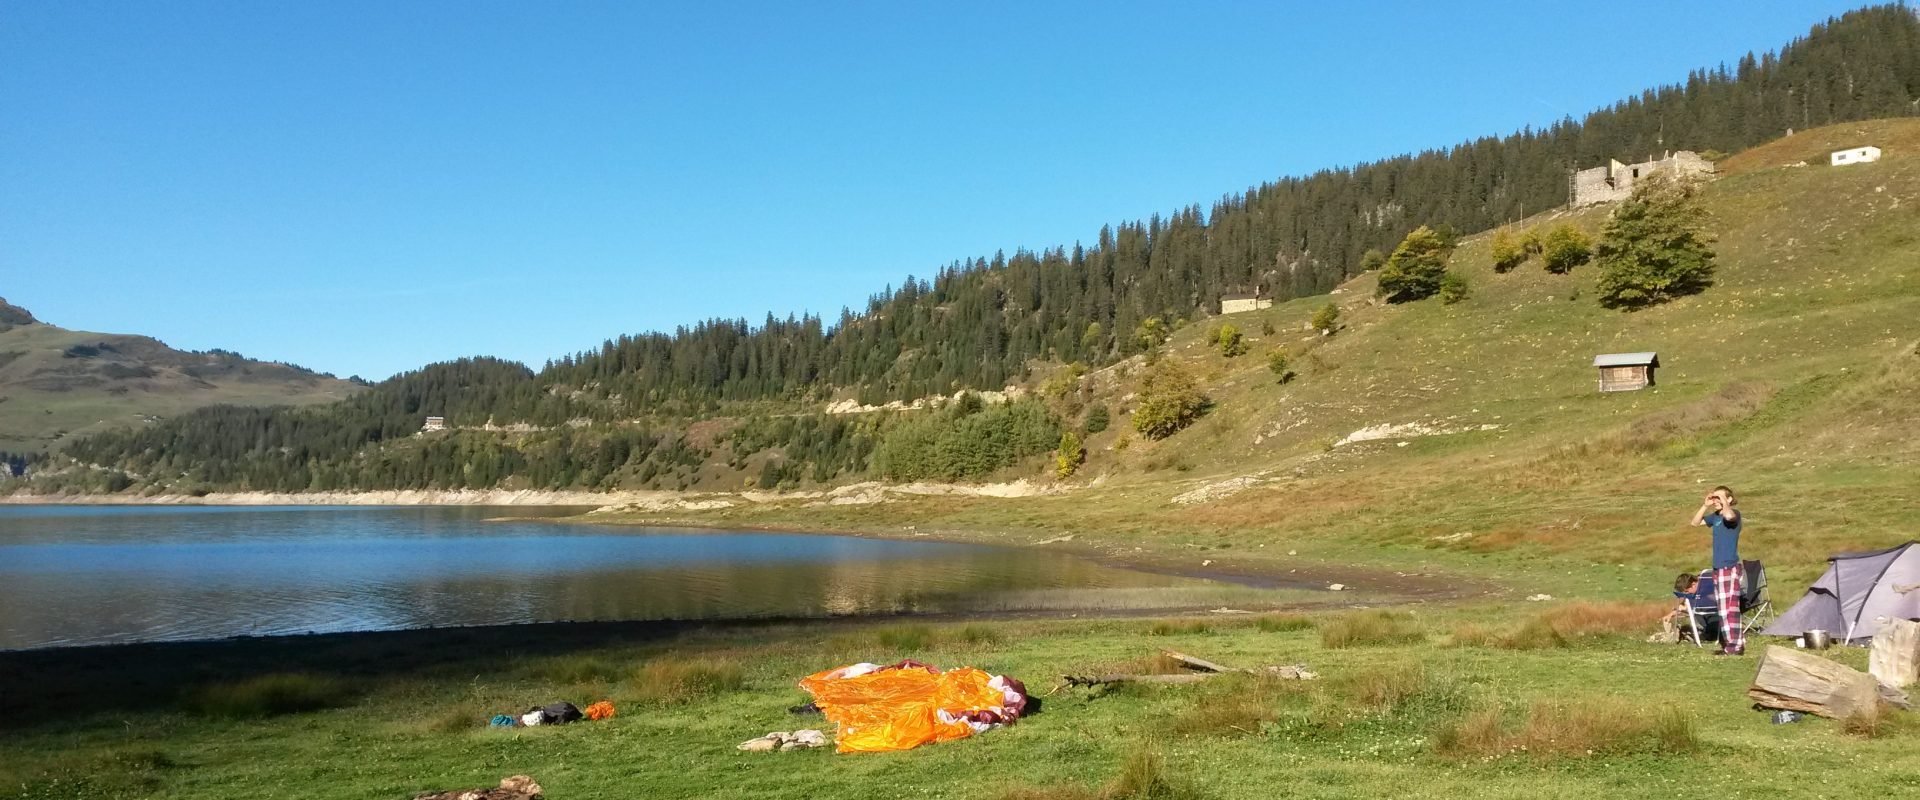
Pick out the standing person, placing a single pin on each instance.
(1717, 512)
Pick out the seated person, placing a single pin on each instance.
(1695, 590)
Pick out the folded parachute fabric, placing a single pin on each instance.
(599, 711)
(909, 704)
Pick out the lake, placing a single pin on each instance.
(82, 575)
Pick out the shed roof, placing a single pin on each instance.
(1239, 296)
(1626, 360)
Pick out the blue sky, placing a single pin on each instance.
(364, 188)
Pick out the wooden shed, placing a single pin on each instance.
(1625, 372)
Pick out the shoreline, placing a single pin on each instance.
(631, 509)
(409, 497)
(649, 500)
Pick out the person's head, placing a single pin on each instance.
(1723, 497)
(1686, 582)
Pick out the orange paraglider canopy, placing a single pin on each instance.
(910, 704)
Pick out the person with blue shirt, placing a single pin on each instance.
(1695, 590)
(1717, 512)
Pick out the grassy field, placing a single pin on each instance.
(1530, 700)
(1795, 379)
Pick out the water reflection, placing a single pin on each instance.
(100, 575)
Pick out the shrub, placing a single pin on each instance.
(672, 680)
(1278, 364)
(1327, 317)
(1564, 248)
(1066, 459)
(1530, 243)
(1098, 418)
(1381, 687)
(957, 444)
(1266, 327)
(1372, 260)
(1416, 268)
(1654, 248)
(1453, 288)
(1168, 402)
(1150, 334)
(1369, 628)
(271, 695)
(1507, 252)
(1230, 341)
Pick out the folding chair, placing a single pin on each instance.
(1699, 617)
(1696, 619)
(1756, 603)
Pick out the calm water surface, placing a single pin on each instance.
(73, 575)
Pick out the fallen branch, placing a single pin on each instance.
(1101, 680)
(1192, 662)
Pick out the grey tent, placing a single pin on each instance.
(1859, 592)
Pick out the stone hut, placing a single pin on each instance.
(1245, 301)
(1626, 372)
(1615, 181)
(434, 424)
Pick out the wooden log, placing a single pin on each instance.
(1796, 681)
(1201, 664)
(1895, 660)
(1099, 680)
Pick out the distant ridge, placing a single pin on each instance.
(56, 384)
(12, 315)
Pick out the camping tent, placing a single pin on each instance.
(1859, 592)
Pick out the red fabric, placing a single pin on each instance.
(1728, 584)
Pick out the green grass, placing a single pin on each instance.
(1611, 717)
(270, 695)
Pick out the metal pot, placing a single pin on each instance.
(1817, 640)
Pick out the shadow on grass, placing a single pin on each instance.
(264, 676)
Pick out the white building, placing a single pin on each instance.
(1858, 155)
(1236, 303)
(434, 424)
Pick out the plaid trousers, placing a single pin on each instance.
(1728, 584)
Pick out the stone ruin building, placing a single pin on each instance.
(1615, 181)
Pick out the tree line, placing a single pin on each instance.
(981, 323)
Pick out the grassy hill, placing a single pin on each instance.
(1794, 379)
(56, 384)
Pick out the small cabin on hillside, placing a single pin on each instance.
(1625, 372)
(434, 424)
(1857, 155)
(1236, 303)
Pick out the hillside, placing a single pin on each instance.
(58, 384)
(1794, 378)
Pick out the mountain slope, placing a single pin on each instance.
(57, 384)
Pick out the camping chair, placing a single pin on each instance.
(1700, 618)
(1697, 619)
(1756, 604)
